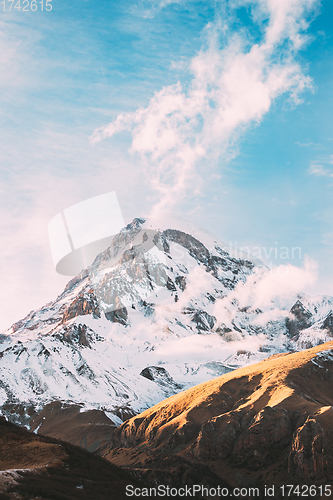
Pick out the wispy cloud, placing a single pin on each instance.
(231, 88)
(164, 3)
(313, 145)
(273, 291)
(320, 170)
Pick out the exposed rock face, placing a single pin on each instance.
(217, 437)
(300, 318)
(117, 316)
(181, 282)
(328, 323)
(82, 305)
(250, 440)
(267, 423)
(203, 320)
(212, 263)
(158, 374)
(76, 335)
(310, 458)
(268, 432)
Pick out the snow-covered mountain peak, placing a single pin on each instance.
(164, 307)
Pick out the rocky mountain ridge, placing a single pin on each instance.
(160, 310)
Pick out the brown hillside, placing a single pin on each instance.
(34, 467)
(268, 423)
(88, 429)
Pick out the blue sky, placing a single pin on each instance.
(253, 156)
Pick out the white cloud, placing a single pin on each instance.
(282, 282)
(318, 170)
(165, 3)
(318, 166)
(267, 290)
(197, 347)
(286, 20)
(231, 88)
(313, 145)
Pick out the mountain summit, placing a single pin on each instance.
(161, 309)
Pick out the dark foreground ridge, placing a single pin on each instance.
(34, 466)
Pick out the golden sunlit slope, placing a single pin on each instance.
(259, 424)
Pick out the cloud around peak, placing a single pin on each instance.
(232, 86)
